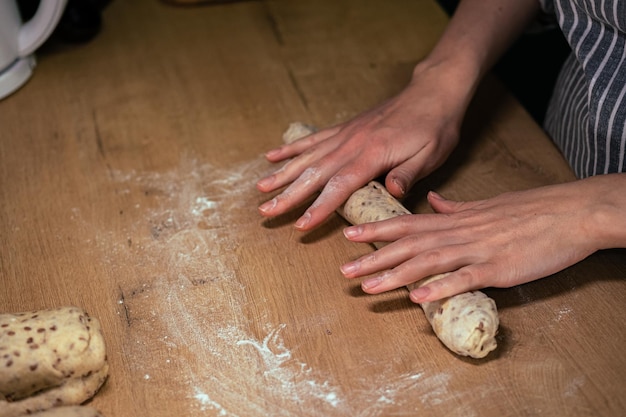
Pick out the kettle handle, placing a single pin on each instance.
(34, 32)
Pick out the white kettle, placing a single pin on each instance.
(19, 40)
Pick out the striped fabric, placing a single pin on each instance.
(586, 117)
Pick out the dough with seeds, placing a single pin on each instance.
(466, 323)
(49, 358)
(297, 130)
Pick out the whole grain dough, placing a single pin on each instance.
(297, 130)
(49, 358)
(466, 323)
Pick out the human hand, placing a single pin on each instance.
(406, 137)
(504, 241)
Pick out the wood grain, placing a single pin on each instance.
(127, 172)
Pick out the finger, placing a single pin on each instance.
(469, 278)
(273, 181)
(299, 146)
(336, 191)
(296, 167)
(304, 186)
(428, 263)
(402, 177)
(319, 176)
(384, 258)
(444, 206)
(354, 172)
(440, 205)
(396, 253)
(398, 227)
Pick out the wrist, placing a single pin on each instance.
(447, 86)
(609, 216)
(449, 73)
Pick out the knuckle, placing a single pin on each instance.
(412, 243)
(433, 256)
(371, 259)
(470, 278)
(337, 183)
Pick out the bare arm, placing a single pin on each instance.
(409, 135)
(480, 32)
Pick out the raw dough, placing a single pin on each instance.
(49, 358)
(297, 130)
(466, 323)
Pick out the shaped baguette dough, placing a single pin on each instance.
(465, 323)
(49, 358)
(297, 130)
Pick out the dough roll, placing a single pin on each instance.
(466, 323)
(49, 358)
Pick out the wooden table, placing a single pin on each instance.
(127, 172)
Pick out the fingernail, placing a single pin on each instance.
(400, 185)
(370, 283)
(268, 206)
(265, 182)
(349, 268)
(435, 195)
(419, 295)
(303, 221)
(352, 231)
(272, 152)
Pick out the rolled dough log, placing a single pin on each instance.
(49, 358)
(466, 323)
(297, 130)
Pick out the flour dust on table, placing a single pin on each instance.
(190, 224)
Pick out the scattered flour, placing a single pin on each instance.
(574, 386)
(201, 330)
(207, 403)
(563, 313)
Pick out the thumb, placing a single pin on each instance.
(401, 178)
(440, 205)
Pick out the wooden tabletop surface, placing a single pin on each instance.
(127, 172)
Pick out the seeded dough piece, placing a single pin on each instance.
(466, 323)
(297, 130)
(49, 358)
(68, 411)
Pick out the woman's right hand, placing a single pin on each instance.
(407, 137)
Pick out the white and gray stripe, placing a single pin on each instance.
(587, 115)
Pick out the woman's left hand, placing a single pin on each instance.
(507, 240)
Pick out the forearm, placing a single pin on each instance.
(479, 32)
